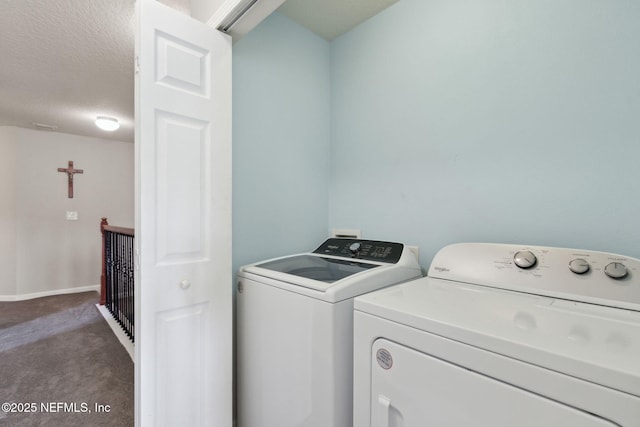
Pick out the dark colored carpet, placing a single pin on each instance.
(58, 360)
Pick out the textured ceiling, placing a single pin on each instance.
(64, 62)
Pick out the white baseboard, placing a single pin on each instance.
(117, 330)
(49, 293)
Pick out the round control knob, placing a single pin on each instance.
(524, 259)
(355, 248)
(616, 270)
(579, 266)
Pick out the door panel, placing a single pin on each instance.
(181, 330)
(183, 216)
(181, 65)
(183, 221)
(413, 389)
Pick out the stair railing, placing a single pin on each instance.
(116, 282)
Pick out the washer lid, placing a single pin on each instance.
(327, 270)
(339, 269)
(596, 343)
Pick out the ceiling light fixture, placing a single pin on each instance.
(107, 123)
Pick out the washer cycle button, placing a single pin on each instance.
(524, 259)
(354, 248)
(579, 266)
(616, 270)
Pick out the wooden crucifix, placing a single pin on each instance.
(70, 171)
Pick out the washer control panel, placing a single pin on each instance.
(616, 270)
(577, 275)
(372, 250)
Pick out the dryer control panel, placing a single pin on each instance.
(571, 274)
(372, 250)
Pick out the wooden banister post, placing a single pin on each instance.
(103, 276)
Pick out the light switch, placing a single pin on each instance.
(72, 215)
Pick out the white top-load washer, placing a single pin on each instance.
(295, 330)
(502, 335)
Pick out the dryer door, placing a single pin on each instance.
(413, 389)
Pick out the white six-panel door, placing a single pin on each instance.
(183, 221)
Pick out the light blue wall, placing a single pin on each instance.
(490, 120)
(281, 138)
(442, 121)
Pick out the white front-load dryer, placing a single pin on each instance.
(502, 336)
(295, 330)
